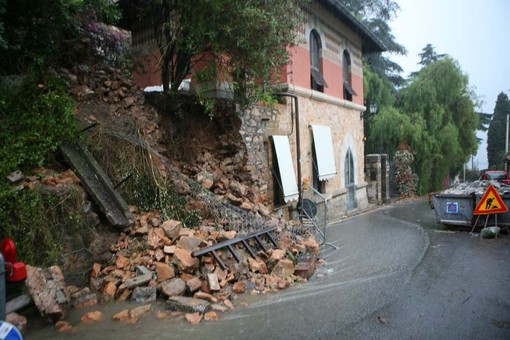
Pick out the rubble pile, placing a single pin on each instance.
(107, 97)
(477, 187)
(152, 260)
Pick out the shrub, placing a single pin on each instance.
(35, 118)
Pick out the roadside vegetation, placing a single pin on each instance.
(433, 112)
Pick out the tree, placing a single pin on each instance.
(441, 107)
(375, 15)
(496, 135)
(39, 35)
(429, 55)
(244, 40)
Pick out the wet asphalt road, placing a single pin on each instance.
(396, 275)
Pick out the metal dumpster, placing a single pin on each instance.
(454, 209)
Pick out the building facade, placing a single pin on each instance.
(324, 81)
(311, 146)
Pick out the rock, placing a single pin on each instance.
(48, 291)
(205, 296)
(193, 318)
(305, 268)
(135, 313)
(257, 265)
(164, 271)
(19, 321)
(95, 283)
(142, 270)
(138, 281)
(239, 287)
(159, 255)
(187, 305)
(246, 206)
(211, 316)
(154, 240)
(263, 210)
(128, 102)
(172, 228)
(124, 295)
(238, 188)
(190, 243)
(170, 250)
(228, 304)
(62, 326)
(15, 176)
(121, 261)
(144, 294)
(184, 261)
(92, 317)
(77, 293)
(123, 316)
(277, 255)
(173, 287)
(82, 92)
(108, 292)
(205, 179)
(233, 199)
(219, 307)
(85, 301)
(193, 284)
(283, 284)
(283, 269)
(214, 284)
(312, 246)
(226, 235)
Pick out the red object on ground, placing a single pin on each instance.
(15, 271)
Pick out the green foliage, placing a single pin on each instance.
(38, 221)
(149, 196)
(35, 118)
(376, 15)
(443, 134)
(246, 41)
(429, 55)
(106, 11)
(35, 32)
(145, 187)
(496, 136)
(43, 34)
(387, 129)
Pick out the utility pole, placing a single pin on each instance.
(506, 141)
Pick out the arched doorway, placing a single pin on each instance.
(350, 185)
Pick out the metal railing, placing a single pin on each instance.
(317, 215)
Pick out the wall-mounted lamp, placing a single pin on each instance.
(373, 109)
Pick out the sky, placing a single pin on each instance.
(476, 33)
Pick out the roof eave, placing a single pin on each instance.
(371, 44)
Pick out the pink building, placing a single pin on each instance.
(316, 138)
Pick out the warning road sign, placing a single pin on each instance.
(491, 203)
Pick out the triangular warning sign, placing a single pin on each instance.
(491, 203)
